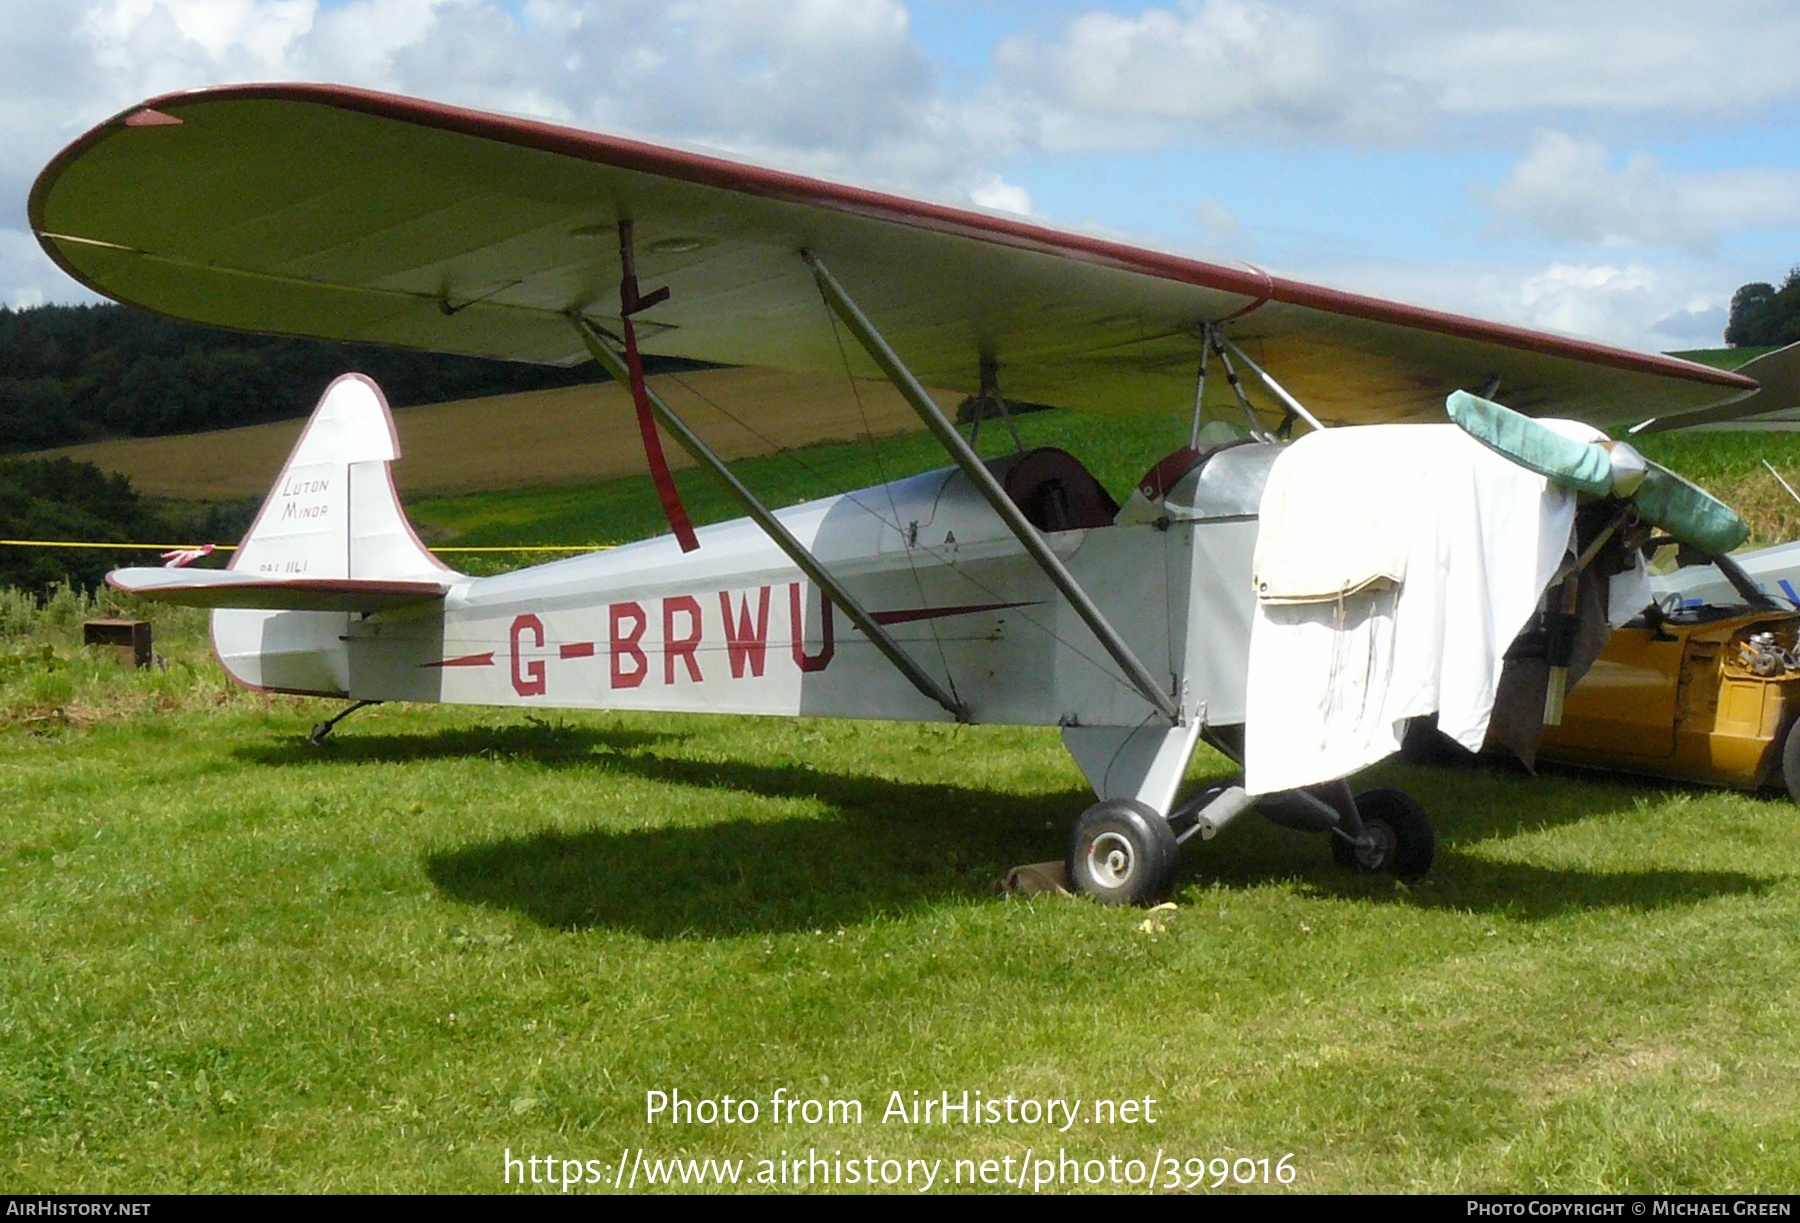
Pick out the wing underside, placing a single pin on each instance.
(330, 212)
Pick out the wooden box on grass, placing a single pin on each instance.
(130, 637)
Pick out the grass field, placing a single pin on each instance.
(616, 511)
(235, 962)
(1723, 358)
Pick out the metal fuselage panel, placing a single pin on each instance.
(734, 627)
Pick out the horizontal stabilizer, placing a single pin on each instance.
(229, 588)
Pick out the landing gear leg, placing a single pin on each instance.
(322, 730)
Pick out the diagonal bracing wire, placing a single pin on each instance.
(912, 566)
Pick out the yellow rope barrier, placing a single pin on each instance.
(70, 543)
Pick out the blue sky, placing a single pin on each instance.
(1614, 169)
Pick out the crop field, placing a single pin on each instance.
(457, 936)
(563, 436)
(564, 466)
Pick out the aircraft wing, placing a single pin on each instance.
(1777, 375)
(230, 588)
(338, 213)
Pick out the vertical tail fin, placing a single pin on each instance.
(333, 512)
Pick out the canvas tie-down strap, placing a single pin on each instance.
(630, 302)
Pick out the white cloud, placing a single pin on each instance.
(1191, 65)
(835, 87)
(1568, 190)
(1586, 299)
(1633, 305)
(28, 278)
(1219, 226)
(1636, 305)
(366, 42)
(829, 82)
(1397, 71)
(1164, 74)
(1002, 196)
(1651, 57)
(844, 88)
(249, 31)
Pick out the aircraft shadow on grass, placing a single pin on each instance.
(535, 740)
(894, 846)
(885, 846)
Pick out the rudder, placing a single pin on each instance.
(333, 512)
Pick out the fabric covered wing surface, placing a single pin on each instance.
(323, 211)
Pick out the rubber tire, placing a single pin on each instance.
(1790, 761)
(1129, 829)
(1396, 817)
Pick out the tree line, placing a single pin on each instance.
(72, 374)
(61, 499)
(1762, 314)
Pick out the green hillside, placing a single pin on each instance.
(78, 373)
(1118, 451)
(1723, 358)
(616, 511)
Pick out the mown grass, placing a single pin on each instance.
(1731, 467)
(235, 962)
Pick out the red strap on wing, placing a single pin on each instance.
(629, 304)
(653, 451)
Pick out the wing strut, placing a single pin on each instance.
(1293, 405)
(1210, 335)
(989, 396)
(990, 489)
(1200, 387)
(808, 564)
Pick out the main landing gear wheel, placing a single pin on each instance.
(1402, 842)
(1122, 853)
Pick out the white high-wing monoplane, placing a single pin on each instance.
(1392, 566)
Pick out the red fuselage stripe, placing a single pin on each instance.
(939, 613)
(467, 660)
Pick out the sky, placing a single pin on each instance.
(1613, 169)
